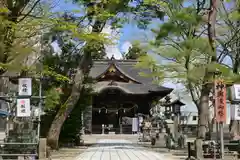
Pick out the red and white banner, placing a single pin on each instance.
(220, 101)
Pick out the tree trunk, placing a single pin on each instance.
(202, 121)
(63, 113)
(68, 106)
(210, 128)
(65, 110)
(203, 109)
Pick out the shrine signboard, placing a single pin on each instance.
(235, 92)
(235, 112)
(25, 87)
(23, 108)
(24, 93)
(220, 101)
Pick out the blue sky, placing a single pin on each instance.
(129, 33)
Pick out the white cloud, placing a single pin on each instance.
(57, 50)
(112, 49)
(181, 93)
(125, 47)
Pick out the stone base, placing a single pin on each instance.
(42, 150)
(87, 120)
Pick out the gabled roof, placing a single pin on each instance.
(126, 67)
(138, 84)
(119, 70)
(177, 101)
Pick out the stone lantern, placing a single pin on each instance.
(176, 108)
(173, 110)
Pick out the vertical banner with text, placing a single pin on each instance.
(24, 90)
(25, 86)
(220, 101)
(23, 108)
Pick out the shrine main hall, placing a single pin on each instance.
(120, 93)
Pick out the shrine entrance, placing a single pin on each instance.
(111, 108)
(119, 94)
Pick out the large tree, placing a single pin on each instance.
(26, 21)
(190, 54)
(98, 14)
(20, 22)
(229, 46)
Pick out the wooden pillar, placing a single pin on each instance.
(120, 124)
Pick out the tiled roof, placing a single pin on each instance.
(131, 88)
(129, 69)
(126, 66)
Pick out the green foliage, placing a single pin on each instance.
(49, 72)
(229, 41)
(135, 52)
(73, 124)
(175, 43)
(19, 34)
(186, 54)
(96, 49)
(121, 12)
(59, 70)
(52, 99)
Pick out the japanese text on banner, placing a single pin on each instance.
(23, 108)
(25, 86)
(220, 101)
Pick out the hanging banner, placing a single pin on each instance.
(235, 112)
(235, 90)
(134, 124)
(228, 118)
(220, 101)
(23, 108)
(24, 86)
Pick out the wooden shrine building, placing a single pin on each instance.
(119, 93)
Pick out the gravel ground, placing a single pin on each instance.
(176, 154)
(67, 153)
(182, 154)
(70, 153)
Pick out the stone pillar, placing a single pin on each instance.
(176, 126)
(87, 119)
(121, 130)
(42, 150)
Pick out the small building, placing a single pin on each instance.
(189, 118)
(120, 92)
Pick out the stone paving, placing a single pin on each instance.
(119, 149)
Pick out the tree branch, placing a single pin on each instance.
(29, 15)
(34, 5)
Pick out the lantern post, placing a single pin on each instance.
(176, 109)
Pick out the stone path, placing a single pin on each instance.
(117, 149)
